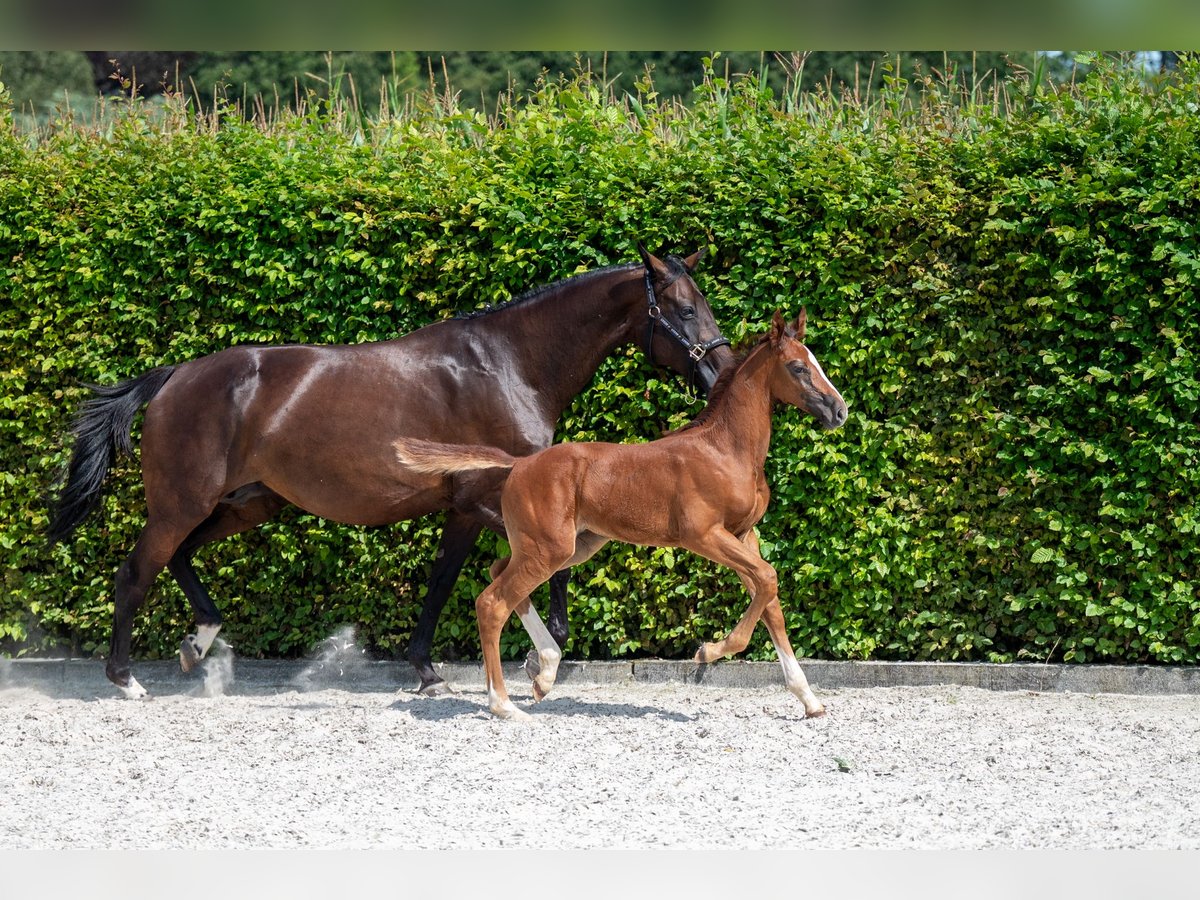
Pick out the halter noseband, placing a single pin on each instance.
(696, 351)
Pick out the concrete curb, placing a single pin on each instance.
(85, 677)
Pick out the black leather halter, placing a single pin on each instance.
(696, 351)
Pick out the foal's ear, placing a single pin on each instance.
(801, 322)
(779, 329)
(694, 260)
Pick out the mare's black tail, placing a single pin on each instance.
(101, 429)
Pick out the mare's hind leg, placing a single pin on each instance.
(556, 622)
(247, 509)
(458, 538)
(586, 546)
(155, 547)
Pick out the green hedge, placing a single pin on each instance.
(1005, 295)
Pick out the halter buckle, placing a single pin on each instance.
(697, 352)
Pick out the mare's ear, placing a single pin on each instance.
(694, 260)
(801, 322)
(779, 329)
(652, 262)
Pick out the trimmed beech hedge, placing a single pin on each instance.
(1006, 298)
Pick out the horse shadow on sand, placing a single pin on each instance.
(433, 709)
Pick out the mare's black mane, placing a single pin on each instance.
(678, 269)
(537, 292)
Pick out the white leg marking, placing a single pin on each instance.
(507, 709)
(195, 646)
(205, 635)
(793, 675)
(133, 691)
(548, 652)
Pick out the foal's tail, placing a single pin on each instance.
(432, 458)
(101, 429)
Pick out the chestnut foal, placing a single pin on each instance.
(701, 488)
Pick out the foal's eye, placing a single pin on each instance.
(797, 368)
(688, 312)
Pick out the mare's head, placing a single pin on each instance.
(799, 378)
(680, 332)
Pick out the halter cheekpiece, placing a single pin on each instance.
(695, 350)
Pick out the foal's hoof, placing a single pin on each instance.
(513, 713)
(437, 688)
(189, 653)
(533, 667)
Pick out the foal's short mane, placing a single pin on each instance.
(722, 384)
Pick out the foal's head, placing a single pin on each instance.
(799, 378)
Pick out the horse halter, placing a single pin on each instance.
(696, 351)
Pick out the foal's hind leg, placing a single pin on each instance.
(229, 518)
(586, 545)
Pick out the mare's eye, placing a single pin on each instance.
(688, 312)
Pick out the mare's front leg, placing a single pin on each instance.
(556, 622)
(458, 538)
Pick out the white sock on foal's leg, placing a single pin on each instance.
(548, 652)
(793, 675)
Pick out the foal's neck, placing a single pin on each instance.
(741, 420)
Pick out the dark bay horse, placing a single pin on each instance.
(701, 488)
(230, 439)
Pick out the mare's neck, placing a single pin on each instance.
(567, 332)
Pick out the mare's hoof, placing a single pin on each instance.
(533, 667)
(437, 688)
(189, 656)
(133, 690)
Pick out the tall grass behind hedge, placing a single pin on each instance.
(1000, 280)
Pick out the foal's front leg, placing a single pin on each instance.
(761, 581)
(793, 675)
(739, 637)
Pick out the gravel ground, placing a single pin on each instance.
(603, 766)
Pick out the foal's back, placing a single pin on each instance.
(655, 494)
